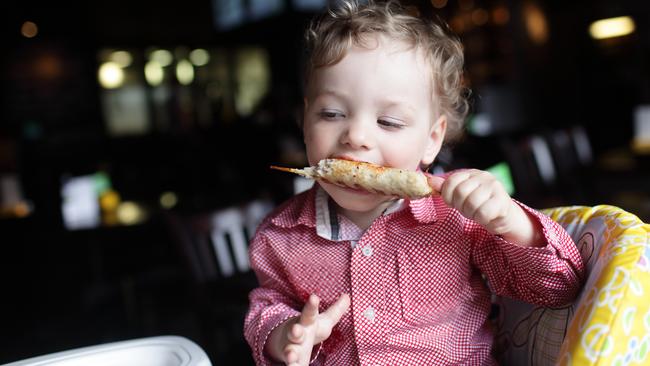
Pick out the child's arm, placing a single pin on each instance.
(523, 253)
(273, 327)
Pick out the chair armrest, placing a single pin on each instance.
(609, 322)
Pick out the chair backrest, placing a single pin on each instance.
(609, 322)
(573, 158)
(216, 244)
(533, 170)
(551, 168)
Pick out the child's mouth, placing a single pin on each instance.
(355, 190)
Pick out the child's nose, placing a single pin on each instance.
(357, 135)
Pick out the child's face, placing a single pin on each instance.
(375, 105)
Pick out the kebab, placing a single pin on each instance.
(367, 176)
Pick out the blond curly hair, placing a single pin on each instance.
(331, 34)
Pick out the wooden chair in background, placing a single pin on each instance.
(214, 246)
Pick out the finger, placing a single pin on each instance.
(310, 310)
(296, 333)
(463, 190)
(297, 354)
(474, 202)
(450, 184)
(291, 355)
(434, 182)
(336, 310)
(497, 203)
(487, 213)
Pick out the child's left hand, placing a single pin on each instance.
(479, 196)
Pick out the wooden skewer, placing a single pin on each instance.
(292, 170)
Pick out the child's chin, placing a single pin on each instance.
(356, 199)
(347, 194)
(355, 191)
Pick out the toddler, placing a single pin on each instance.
(349, 277)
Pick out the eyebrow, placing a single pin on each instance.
(330, 92)
(385, 103)
(400, 103)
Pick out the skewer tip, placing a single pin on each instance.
(281, 168)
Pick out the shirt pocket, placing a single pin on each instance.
(430, 290)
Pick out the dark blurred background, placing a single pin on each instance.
(126, 125)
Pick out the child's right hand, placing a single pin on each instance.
(293, 341)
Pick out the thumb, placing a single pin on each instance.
(435, 182)
(310, 310)
(331, 316)
(336, 310)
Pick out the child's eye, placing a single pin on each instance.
(330, 114)
(390, 124)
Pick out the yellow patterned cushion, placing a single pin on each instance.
(609, 323)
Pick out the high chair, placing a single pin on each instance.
(151, 351)
(609, 322)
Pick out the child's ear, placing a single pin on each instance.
(435, 139)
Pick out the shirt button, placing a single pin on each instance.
(367, 251)
(369, 314)
(353, 244)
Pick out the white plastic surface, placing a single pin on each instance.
(153, 351)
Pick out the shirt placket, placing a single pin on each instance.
(367, 292)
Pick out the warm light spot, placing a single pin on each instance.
(154, 73)
(500, 15)
(109, 200)
(163, 57)
(536, 24)
(111, 75)
(48, 66)
(130, 213)
(29, 29)
(457, 23)
(253, 78)
(168, 200)
(184, 72)
(612, 27)
(21, 209)
(439, 4)
(199, 57)
(122, 58)
(480, 16)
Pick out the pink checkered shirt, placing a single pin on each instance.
(414, 277)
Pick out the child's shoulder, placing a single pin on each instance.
(292, 211)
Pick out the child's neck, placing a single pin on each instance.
(363, 219)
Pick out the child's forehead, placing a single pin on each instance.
(380, 48)
(388, 43)
(364, 76)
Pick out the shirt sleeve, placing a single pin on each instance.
(271, 304)
(548, 276)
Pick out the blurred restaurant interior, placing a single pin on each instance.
(126, 125)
